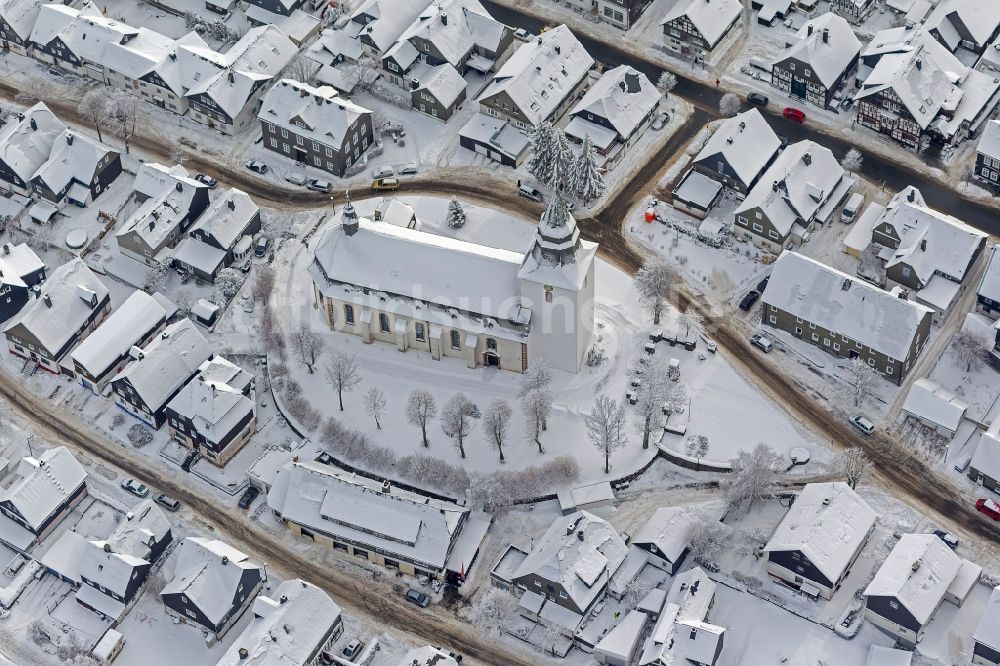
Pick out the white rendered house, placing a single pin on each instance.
(458, 299)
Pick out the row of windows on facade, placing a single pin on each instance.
(836, 345)
(362, 553)
(317, 146)
(419, 329)
(758, 228)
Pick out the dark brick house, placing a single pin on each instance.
(817, 60)
(696, 26)
(20, 270)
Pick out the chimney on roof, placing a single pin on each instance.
(919, 63)
(807, 158)
(558, 49)
(69, 138)
(729, 140)
(579, 535)
(916, 565)
(37, 290)
(386, 487)
(911, 195)
(232, 78)
(244, 653)
(225, 560)
(164, 335)
(33, 123)
(173, 56)
(826, 35)
(48, 300)
(283, 599)
(844, 287)
(107, 547)
(743, 125)
(231, 204)
(152, 224)
(179, 186)
(923, 244)
(444, 19)
(6, 248)
(809, 30)
(774, 186)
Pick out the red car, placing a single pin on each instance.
(792, 113)
(989, 507)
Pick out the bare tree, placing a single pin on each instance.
(707, 539)
(606, 427)
(496, 423)
(374, 402)
(690, 319)
(94, 107)
(421, 408)
(861, 380)
(493, 610)
(652, 395)
(307, 345)
(456, 419)
(342, 374)
(33, 89)
(123, 108)
(653, 281)
(156, 277)
(636, 591)
(666, 82)
(969, 348)
(754, 477)
(300, 69)
(537, 405)
(37, 633)
(367, 72)
(729, 105)
(852, 160)
(853, 463)
(538, 377)
(752, 541)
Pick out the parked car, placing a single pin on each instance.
(793, 114)
(296, 179)
(248, 306)
(522, 35)
(257, 166)
(761, 343)
(847, 103)
(749, 300)
(660, 121)
(319, 185)
(762, 285)
(55, 71)
(528, 192)
(385, 184)
(408, 169)
(353, 649)
(989, 507)
(134, 487)
(168, 503)
(863, 424)
(207, 180)
(852, 207)
(757, 99)
(950, 539)
(709, 344)
(248, 496)
(383, 172)
(260, 249)
(417, 597)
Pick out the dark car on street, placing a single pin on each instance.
(417, 597)
(248, 496)
(749, 300)
(757, 99)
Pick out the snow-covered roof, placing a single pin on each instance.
(623, 96)
(669, 529)
(332, 43)
(297, 25)
(74, 292)
(930, 401)
(25, 144)
(580, 551)
(953, 18)
(796, 186)
(558, 256)
(444, 83)
(698, 189)
(211, 402)
(990, 286)
(226, 219)
(455, 28)
(318, 114)
(745, 141)
(827, 523)
(498, 133)
(18, 262)
(354, 508)
(111, 570)
(986, 459)
(826, 44)
(199, 255)
(883, 656)
(449, 272)
(155, 180)
(393, 211)
(988, 630)
(917, 574)
(166, 363)
(209, 572)
(930, 241)
(711, 18)
(838, 302)
(20, 15)
(989, 142)
(170, 193)
(44, 483)
(620, 643)
(85, 31)
(143, 527)
(427, 655)
(541, 73)
(390, 19)
(127, 325)
(681, 634)
(66, 555)
(74, 157)
(287, 629)
(149, 52)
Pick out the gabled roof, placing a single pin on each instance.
(23, 147)
(796, 185)
(45, 482)
(74, 157)
(929, 239)
(74, 293)
(929, 400)
(171, 193)
(669, 529)
(541, 73)
(711, 18)
(391, 18)
(444, 83)
(830, 57)
(18, 262)
(427, 655)
(317, 114)
(112, 571)
(126, 326)
(167, 363)
(745, 141)
(288, 627)
(990, 286)
(623, 96)
(21, 15)
(989, 142)
(986, 459)
(226, 219)
(355, 508)
(151, 52)
(953, 18)
(455, 27)
(85, 31)
(803, 287)
(209, 572)
(579, 551)
(917, 574)
(156, 180)
(144, 526)
(827, 523)
(214, 406)
(988, 630)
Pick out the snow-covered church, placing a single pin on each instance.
(452, 298)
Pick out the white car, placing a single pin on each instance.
(383, 172)
(134, 487)
(863, 424)
(296, 179)
(761, 343)
(408, 169)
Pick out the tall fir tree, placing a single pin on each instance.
(563, 164)
(541, 162)
(456, 214)
(588, 184)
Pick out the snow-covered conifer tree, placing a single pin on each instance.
(542, 155)
(456, 214)
(588, 183)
